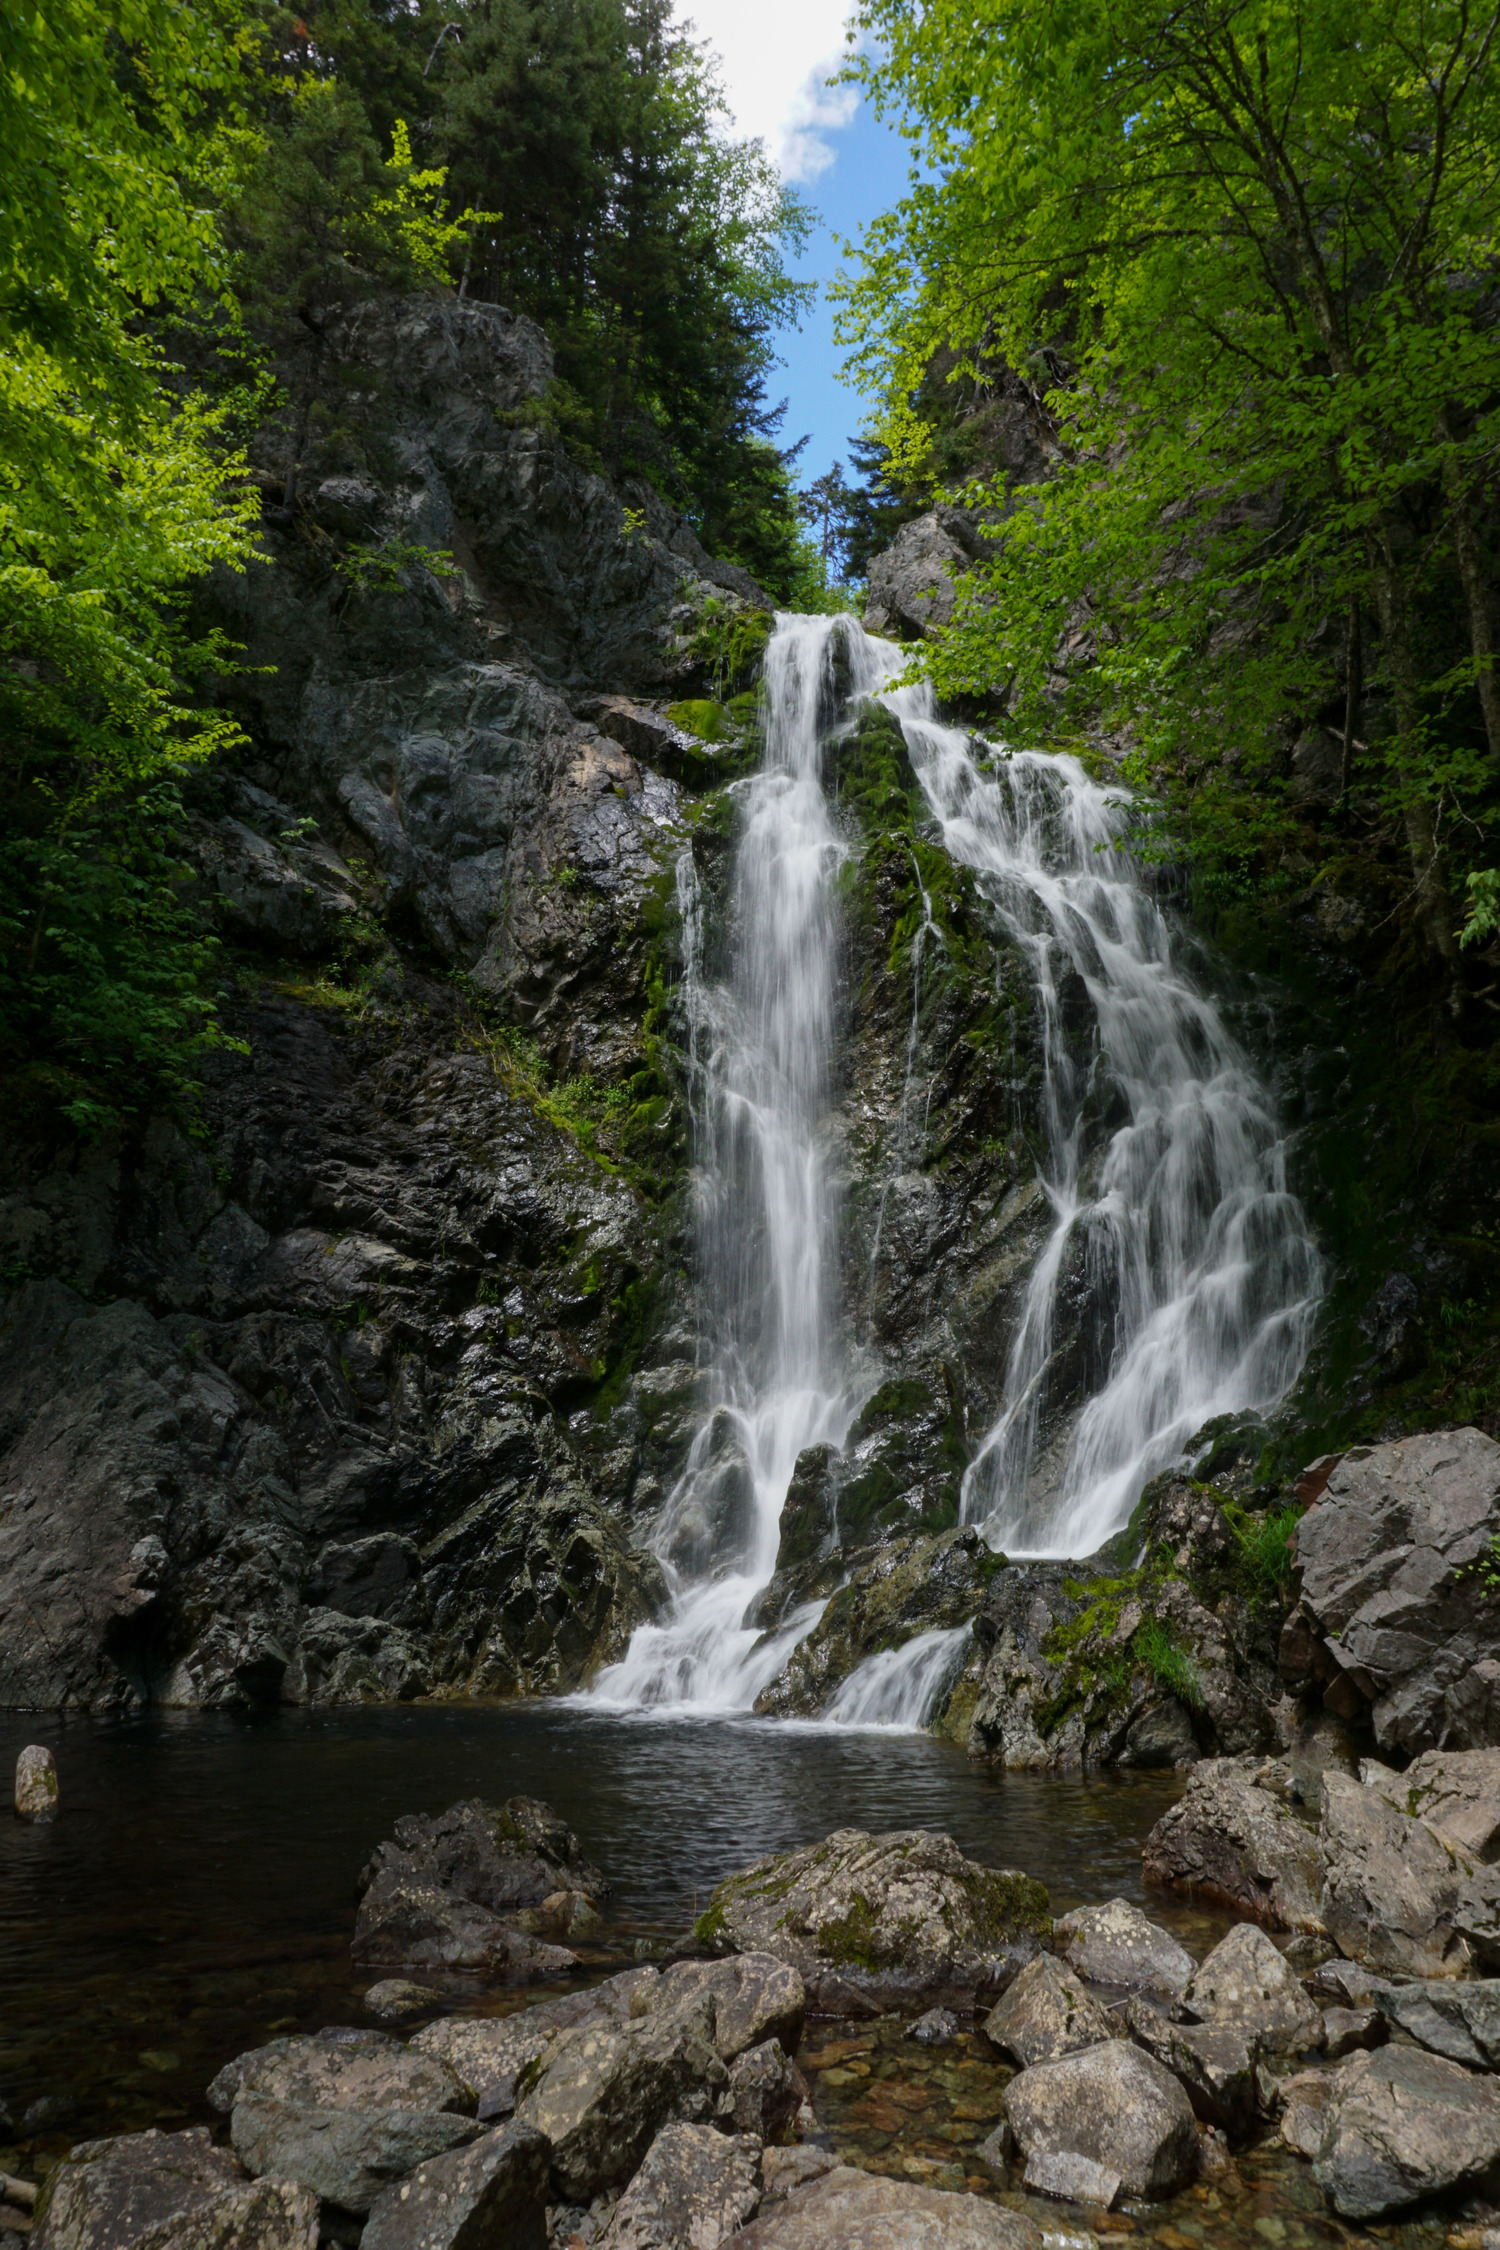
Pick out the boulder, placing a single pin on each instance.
(395, 1999)
(434, 1892)
(1457, 1792)
(1393, 1896)
(345, 2113)
(1116, 2106)
(863, 2211)
(756, 1996)
(912, 584)
(602, 2094)
(492, 2196)
(1072, 2178)
(410, 1925)
(1304, 2111)
(766, 2089)
(1046, 2013)
(36, 1784)
(939, 2027)
(696, 2187)
(1403, 2125)
(155, 2188)
(1391, 1620)
(1347, 2030)
(1230, 1840)
(1214, 2063)
(1246, 1983)
(1450, 2016)
(1116, 1944)
(872, 1922)
(490, 2052)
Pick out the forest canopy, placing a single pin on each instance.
(1239, 255)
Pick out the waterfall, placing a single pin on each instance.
(1192, 1248)
(760, 1051)
(900, 1688)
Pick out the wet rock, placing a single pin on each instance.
(1391, 1622)
(1116, 1944)
(1215, 2064)
(782, 2169)
(870, 1922)
(1403, 2125)
(1046, 2013)
(1245, 1982)
(1072, 2178)
(938, 2028)
(435, 1895)
(409, 1925)
(36, 1784)
(995, 2152)
(1114, 2105)
(1229, 1839)
(1449, 2016)
(143, 2189)
(696, 2186)
(1162, 1736)
(492, 2194)
(767, 2091)
(913, 1585)
(395, 1999)
(1394, 1894)
(603, 2094)
(1304, 2111)
(862, 2211)
(755, 1997)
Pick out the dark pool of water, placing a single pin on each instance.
(198, 1893)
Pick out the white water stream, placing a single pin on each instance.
(1181, 1212)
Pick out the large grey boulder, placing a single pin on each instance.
(1117, 1944)
(696, 2187)
(492, 2196)
(489, 2053)
(1113, 2105)
(1403, 2125)
(862, 2211)
(911, 588)
(1230, 1840)
(871, 1922)
(1245, 1982)
(603, 2093)
(755, 1997)
(1399, 1895)
(1046, 2013)
(345, 2113)
(1450, 2016)
(439, 1894)
(1213, 2062)
(1391, 1619)
(156, 2191)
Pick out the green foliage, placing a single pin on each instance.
(1168, 1665)
(116, 492)
(1231, 254)
(1485, 1568)
(1267, 1545)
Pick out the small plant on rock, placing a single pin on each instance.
(1170, 1666)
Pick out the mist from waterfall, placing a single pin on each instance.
(760, 1050)
(1196, 1259)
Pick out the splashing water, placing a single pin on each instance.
(1190, 1244)
(900, 1687)
(767, 1219)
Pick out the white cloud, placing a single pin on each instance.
(777, 55)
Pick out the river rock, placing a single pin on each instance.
(1046, 2013)
(1114, 2105)
(1214, 2062)
(1347, 2030)
(871, 1922)
(755, 1997)
(696, 2187)
(36, 1784)
(1403, 2125)
(766, 2089)
(1116, 1944)
(1449, 2016)
(492, 2196)
(1304, 2111)
(1391, 1620)
(500, 1856)
(1457, 1792)
(939, 2027)
(1229, 1839)
(340, 2069)
(604, 2093)
(1395, 1891)
(147, 2189)
(489, 2052)
(395, 1999)
(862, 2211)
(1245, 1982)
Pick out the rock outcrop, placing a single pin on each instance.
(1230, 1838)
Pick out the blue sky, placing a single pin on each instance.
(776, 58)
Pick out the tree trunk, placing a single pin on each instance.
(1354, 690)
(1434, 906)
(1477, 596)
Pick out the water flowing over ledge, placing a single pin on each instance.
(1163, 1166)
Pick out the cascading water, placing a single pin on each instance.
(1189, 1236)
(761, 1049)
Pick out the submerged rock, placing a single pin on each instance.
(1229, 1839)
(1401, 2126)
(1117, 1944)
(870, 1922)
(156, 2188)
(1113, 2105)
(395, 1999)
(1046, 2013)
(862, 2211)
(696, 2186)
(492, 2193)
